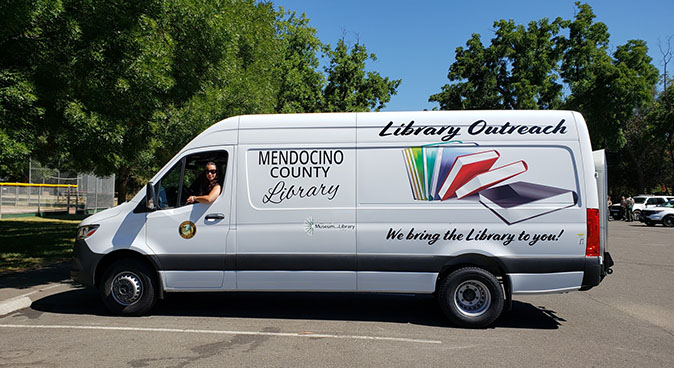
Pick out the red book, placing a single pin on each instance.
(491, 177)
(464, 168)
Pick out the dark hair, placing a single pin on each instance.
(207, 185)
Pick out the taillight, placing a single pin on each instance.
(592, 245)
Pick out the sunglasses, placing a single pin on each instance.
(212, 171)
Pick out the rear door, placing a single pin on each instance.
(601, 176)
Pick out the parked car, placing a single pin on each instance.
(661, 214)
(642, 202)
(616, 211)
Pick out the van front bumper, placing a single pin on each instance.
(83, 264)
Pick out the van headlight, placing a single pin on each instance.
(86, 231)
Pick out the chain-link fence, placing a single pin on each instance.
(98, 193)
(50, 191)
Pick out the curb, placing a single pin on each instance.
(14, 304)
(24, 301)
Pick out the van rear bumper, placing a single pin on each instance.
(596, 270)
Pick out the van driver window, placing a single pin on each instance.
(197, 178)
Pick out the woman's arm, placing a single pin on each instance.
(206, 199)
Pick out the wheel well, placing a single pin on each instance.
(117, 255)
(475, 260)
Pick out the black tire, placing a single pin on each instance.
(649, 223)
(471, 297)
(129, 288)
(668, 221)
(636, 215)
(617, 217)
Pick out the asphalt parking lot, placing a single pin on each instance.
(627, 321)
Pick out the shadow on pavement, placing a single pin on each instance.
(396, 308)
(28, 279)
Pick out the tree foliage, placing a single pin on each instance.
(350, 87)
(21, 114)
(118, 87)
(566, 64)
(301, 83)
(518, 70)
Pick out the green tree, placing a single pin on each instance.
(518, 70)
(18, 111)
(532, 67)
(104, 77)
(21, 41)
(607, 90)
(662, 122)
(224, 65)
(134, 81)
(119, 87)
(300, 82)
(350, 87)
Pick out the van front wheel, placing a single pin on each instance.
(129, 288)
(471, 297)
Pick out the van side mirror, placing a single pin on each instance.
(150, 197)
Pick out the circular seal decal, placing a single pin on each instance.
(187, 229)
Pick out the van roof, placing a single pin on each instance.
(500, 124)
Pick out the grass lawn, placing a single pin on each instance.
(33, 242)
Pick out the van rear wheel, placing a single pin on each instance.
(471, 297)
(129, 288)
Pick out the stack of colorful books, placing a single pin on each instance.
(437, 173)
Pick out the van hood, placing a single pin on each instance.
(105, 214)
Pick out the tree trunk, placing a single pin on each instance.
(637, 169)
(122, 184)
(671, 155)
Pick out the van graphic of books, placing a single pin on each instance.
(438, 173)
(520, 201)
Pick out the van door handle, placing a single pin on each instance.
(215, 216)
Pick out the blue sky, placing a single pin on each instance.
(415, 40)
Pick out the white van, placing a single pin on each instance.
(471, 206)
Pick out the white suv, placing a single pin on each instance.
(663, 213)
(642, 202)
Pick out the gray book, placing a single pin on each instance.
(519, 201)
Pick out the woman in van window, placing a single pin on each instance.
(209, 189)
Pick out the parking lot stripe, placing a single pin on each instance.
(224, 332)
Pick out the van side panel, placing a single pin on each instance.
(296, 218)
(392, 224)
(405, 227)
(554, 282)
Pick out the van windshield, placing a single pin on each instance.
(640, 200)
